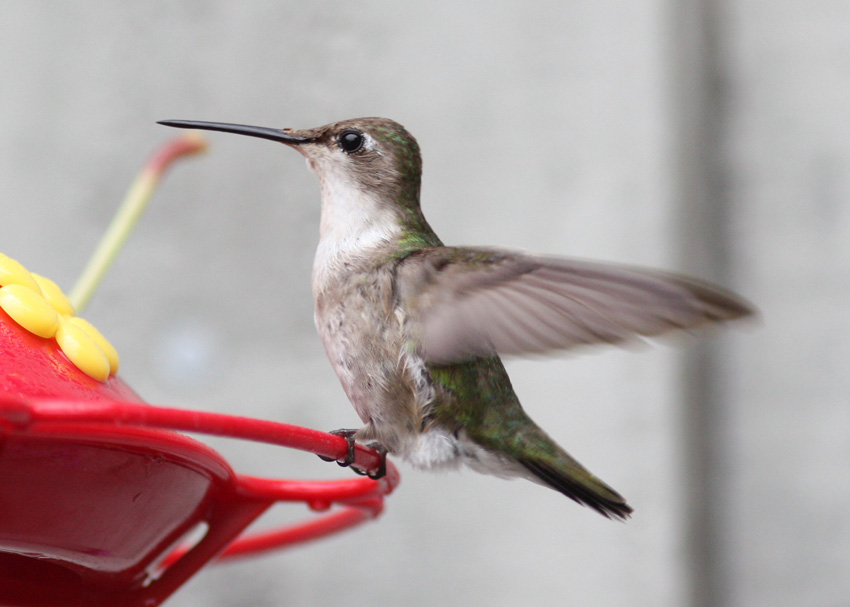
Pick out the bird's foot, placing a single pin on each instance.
(348, 435)
(382, 467)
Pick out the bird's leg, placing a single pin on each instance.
(348, 435)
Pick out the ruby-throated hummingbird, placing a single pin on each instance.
(414, 328)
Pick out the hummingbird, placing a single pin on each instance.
(414, 329)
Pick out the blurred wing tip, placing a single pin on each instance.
(732, 308)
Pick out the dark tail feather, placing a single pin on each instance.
(583, 488)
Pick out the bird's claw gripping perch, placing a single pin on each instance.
(382, 467)
(348, 435)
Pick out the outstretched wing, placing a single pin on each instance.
(474, 302)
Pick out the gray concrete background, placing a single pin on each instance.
(702, 136)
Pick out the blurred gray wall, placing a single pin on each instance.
(708, 137)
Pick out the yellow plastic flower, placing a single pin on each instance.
(38, 305)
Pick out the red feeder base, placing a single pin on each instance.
(96, 495)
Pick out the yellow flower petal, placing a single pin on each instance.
(13, 273)
(83, 351)
(29, 309)
(107, 348)
(54, 295)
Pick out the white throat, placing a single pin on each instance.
(353, 223)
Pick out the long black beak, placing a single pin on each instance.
(278, 135)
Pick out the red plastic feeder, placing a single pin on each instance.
(98, 493)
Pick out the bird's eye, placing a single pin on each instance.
(350, 141)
